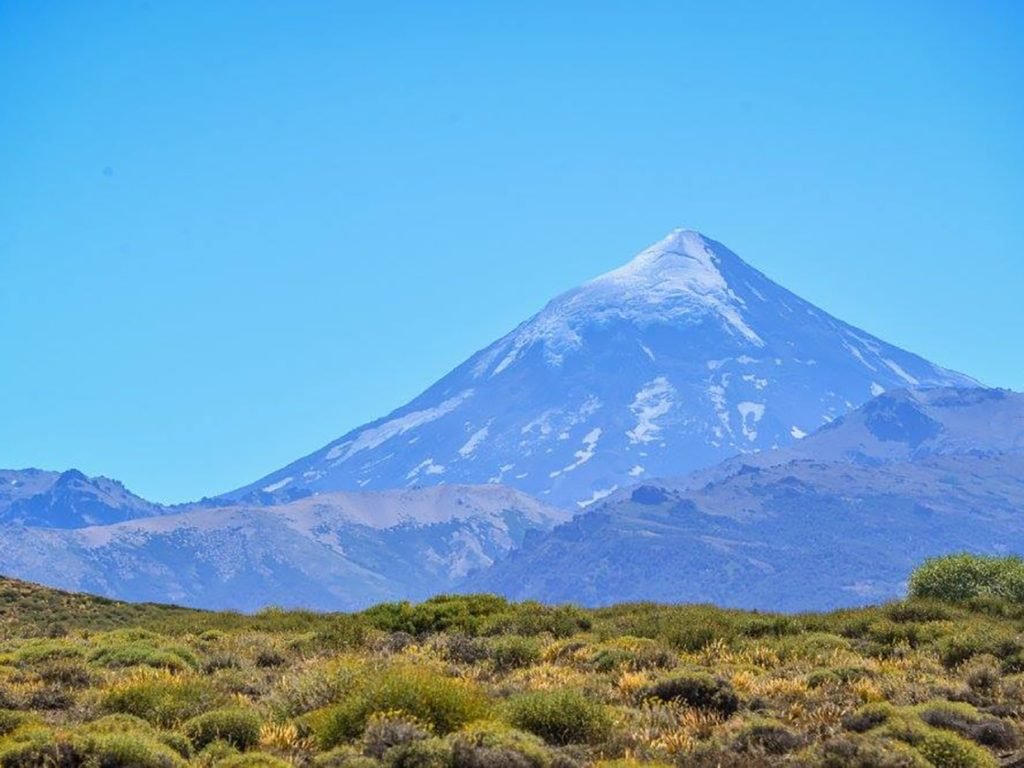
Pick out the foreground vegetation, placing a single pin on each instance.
(468, 682)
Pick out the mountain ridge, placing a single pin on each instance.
(675, 361)
(836, 519)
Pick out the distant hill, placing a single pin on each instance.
(69, 499)
(332, 551)
(840, 518)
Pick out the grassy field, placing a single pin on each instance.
(474, 681)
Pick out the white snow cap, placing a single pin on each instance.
(683, 254)
(681, 268)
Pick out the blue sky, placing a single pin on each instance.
(231, 231)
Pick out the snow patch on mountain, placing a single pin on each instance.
(427, 467)
(750, 415)
(474, 440)
(277, 486)
(895, 368)
(583, 455)
(650, 403)
(597, 496)
(375, 436)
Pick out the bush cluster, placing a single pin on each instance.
(476, 681)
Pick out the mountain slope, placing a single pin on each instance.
(337, 551)
(838, 519)
(681, 358)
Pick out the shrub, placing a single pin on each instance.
(955, 649)
(69, 673)
(36, 651)
(10, 720)
(427, 753)
(440, 702)
(160, 697)
(697, 690)
(862, 752)
(461, 649)
(51, 698)
(966, 721)
(390, 729)
(767, 736)
(493, 745)
(344, 757)
(41, 747)
(314, 687)
(982, 674)
(253, 760)
(214, 754)
(461, 613)
(559, 717)
(143, 654)
(947, 750)
(964, 577)
(128, 749)
(237, 726)
(514, 651)
(869, 716)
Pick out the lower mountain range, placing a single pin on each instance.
(838, 518)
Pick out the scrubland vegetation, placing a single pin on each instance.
(475, 682)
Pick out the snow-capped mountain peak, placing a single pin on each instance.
(681, 261)
(678, 275)
(684, 356)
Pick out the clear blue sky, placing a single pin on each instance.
(231, 231)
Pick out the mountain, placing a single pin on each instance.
(837, 519)
(679, 359)
(69, 499)
(339, 551)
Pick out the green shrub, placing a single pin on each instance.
(128, 749)
(442, 703)
(138, 654)
(968, 722)
(237, 726)
(344, 757)
(964, 577)
(976, 640)
(214, 754)
(67, 673)
(697, 690)
(427, 753)
(160, 698)
(559, 717)
(36, 651)
(314, 687)
(947, 750)
(495, 745)
(768, 737)
(253, 760)
(514, 652)
(443, 613)
(870, 716)
(41, 747)
(10, 720)
(866, 752)
(532, 619)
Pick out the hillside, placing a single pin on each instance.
(332, 551)
(855, 505)
(476, 681)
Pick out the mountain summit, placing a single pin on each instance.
(684, 356)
